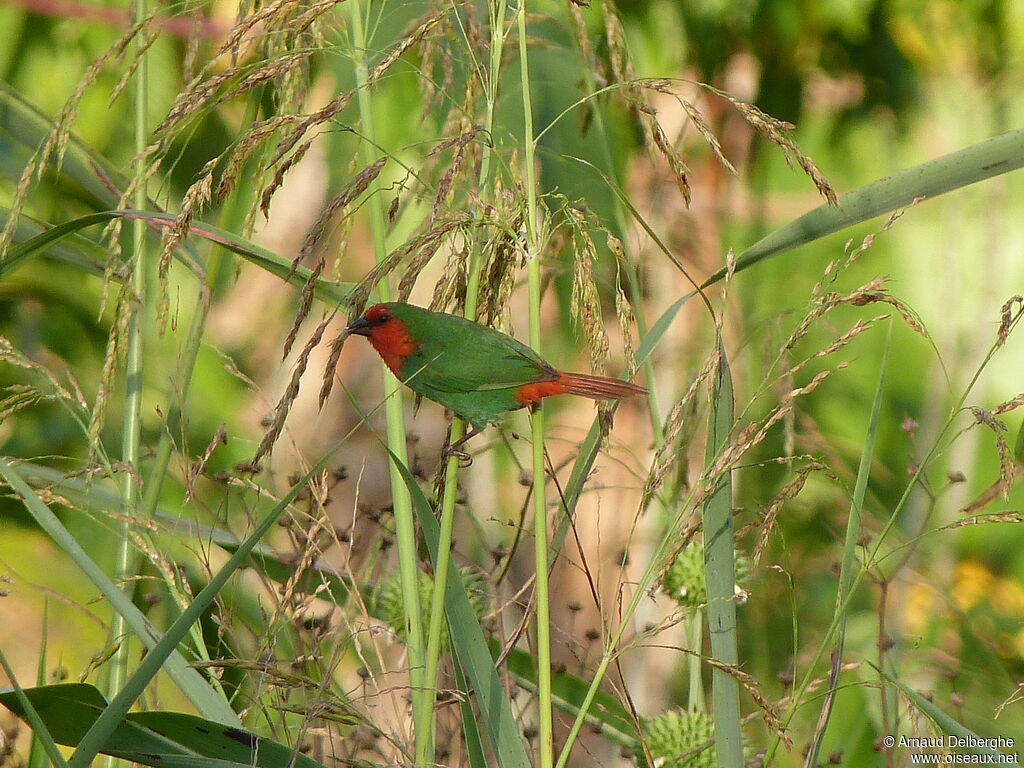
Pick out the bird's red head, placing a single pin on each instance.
(388, 334)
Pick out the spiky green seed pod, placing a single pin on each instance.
(684, 579)
(679, 739)
(386, 604)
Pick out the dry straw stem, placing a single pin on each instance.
(9, 354)
(778, 131)
(787, 493)
(246, 147)
(53, 149)
(1007, 463)
(585, 307)
(267, 195)
(623, 309)
(196, 196)
(352, 191)
(1008, 318)
(417, 251)
(502, 255)
(680, 415)
(305, 305)
(749, 684)
(199, 94)
(220, 437)
(112, 359)
(316, 234)
(460, 142)
(872, 292)
(753, 434)
(450, 289)
(663, 86)
(337, 104)
(290, 393)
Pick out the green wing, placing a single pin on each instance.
(481, 361)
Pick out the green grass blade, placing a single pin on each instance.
(469, 643)
(328, 291)
(21, 702)
(152, 738)
(321, 579)
(191, 683)
(846, 573)
(958, 169)
(947, 724)
(653, 336)
(37, 755)
(474, 739)
(164, 649)
(30, 127)
(76, 250)
(720, 574)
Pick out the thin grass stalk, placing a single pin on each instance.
(850, 551)
(165, 449)
(37, 755)
(40, 733)
(165, 445)
(720, 576)
(545, 743)
(496, 13)
(694, 624)
(441, 568)
(96, 736)
(470, 646)
(192, 684)
(405, 527)
(622, 224)
(871, 560)
(438, 612)
(131, 435)
(640, 592)
(694, 636)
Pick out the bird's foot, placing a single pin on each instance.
(465, 460)
(454, 449)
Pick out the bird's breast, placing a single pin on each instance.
(394, 345)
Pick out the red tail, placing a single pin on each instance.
(599, 387)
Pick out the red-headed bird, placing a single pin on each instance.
(477, 372)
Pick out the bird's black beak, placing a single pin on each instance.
(359, 327)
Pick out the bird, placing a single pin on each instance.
(477, 372)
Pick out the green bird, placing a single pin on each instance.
(479, 373)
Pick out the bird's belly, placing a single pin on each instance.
(478, 408)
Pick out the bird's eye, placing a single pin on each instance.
(383, 317)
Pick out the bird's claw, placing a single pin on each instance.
(465, 460)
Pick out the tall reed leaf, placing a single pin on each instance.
(720, 574)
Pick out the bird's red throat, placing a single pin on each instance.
(393, 343)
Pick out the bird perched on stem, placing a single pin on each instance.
(477, 372)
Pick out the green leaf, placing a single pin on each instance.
(958, 169)
(318, 579)
(77, 250)
(469, 643)
(720, 575)
(848, 567)
(153, 738)
(30, 128)
(330, 292)
(165, 647)
(946, 723)
(653, 336)
(191, 683)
